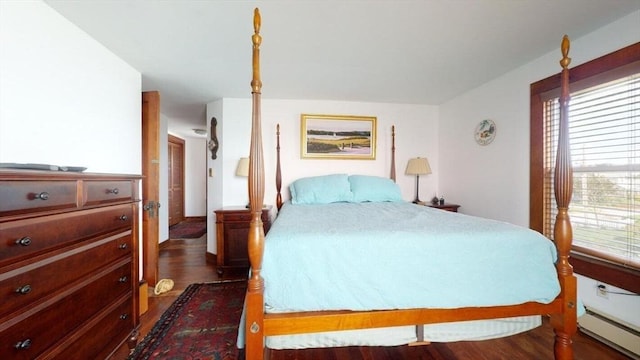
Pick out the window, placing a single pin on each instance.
(604, 131)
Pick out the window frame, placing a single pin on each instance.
(580, 77)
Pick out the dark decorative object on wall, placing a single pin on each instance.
(213, 143)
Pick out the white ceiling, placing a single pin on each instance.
(404, 51)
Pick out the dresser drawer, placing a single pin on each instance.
(25, 238)
(105, 192)
(109, 331)
(19, 197)
(39, 329)
(37, 282)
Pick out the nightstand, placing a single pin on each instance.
(446, 207)
(232, 231)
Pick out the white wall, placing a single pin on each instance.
(195, 182)
(214, 174)
(493, 181)
(416, 135)
(64, 98)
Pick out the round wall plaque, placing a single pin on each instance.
(485, 132)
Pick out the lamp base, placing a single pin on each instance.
(417, 199)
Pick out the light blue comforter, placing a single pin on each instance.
(395, 255)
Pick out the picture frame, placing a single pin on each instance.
(337, 137)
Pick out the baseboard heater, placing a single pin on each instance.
(612, 331)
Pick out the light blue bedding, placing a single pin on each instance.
(397, 255)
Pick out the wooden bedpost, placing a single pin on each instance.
(278, 171)
(254, 328)
(393, 153)
(564, 324)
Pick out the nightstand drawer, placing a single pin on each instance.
(236, 216)
(243, 216)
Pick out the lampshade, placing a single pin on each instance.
(418, 166)
(243, 167)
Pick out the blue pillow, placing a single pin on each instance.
(374, 188)
(321, 189)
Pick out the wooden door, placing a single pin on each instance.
(176, 180)
(150, 185)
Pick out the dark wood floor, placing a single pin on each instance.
(184, 262)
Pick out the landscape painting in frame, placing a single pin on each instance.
(338, 137)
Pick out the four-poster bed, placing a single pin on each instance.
(260, 323)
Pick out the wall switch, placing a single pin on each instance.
(210, 172)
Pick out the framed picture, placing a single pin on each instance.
(337, 137)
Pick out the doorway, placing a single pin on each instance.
(176, 179)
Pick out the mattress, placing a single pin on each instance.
(397, 255)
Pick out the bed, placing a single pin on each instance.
(408, 309)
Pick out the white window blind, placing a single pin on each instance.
(604, 132)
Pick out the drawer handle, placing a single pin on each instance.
(124, 316)
(24, 290)
(24, 241)
(123, 279)
(42, 196)
(123, 217)
(23, 345)
(122, 246)
(113, 191)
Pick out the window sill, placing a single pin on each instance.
(614, 274)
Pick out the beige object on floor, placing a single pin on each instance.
(163, 286)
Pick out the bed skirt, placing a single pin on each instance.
(447, 332)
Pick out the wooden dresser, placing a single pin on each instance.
(68, 264)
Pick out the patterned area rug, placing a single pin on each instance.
(187, 230)
(201, 324)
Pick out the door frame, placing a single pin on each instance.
(150, 185)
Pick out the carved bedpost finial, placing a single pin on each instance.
(257, 20)
(393, 153)
(564, 47)
(278, 170)
(256, 83)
